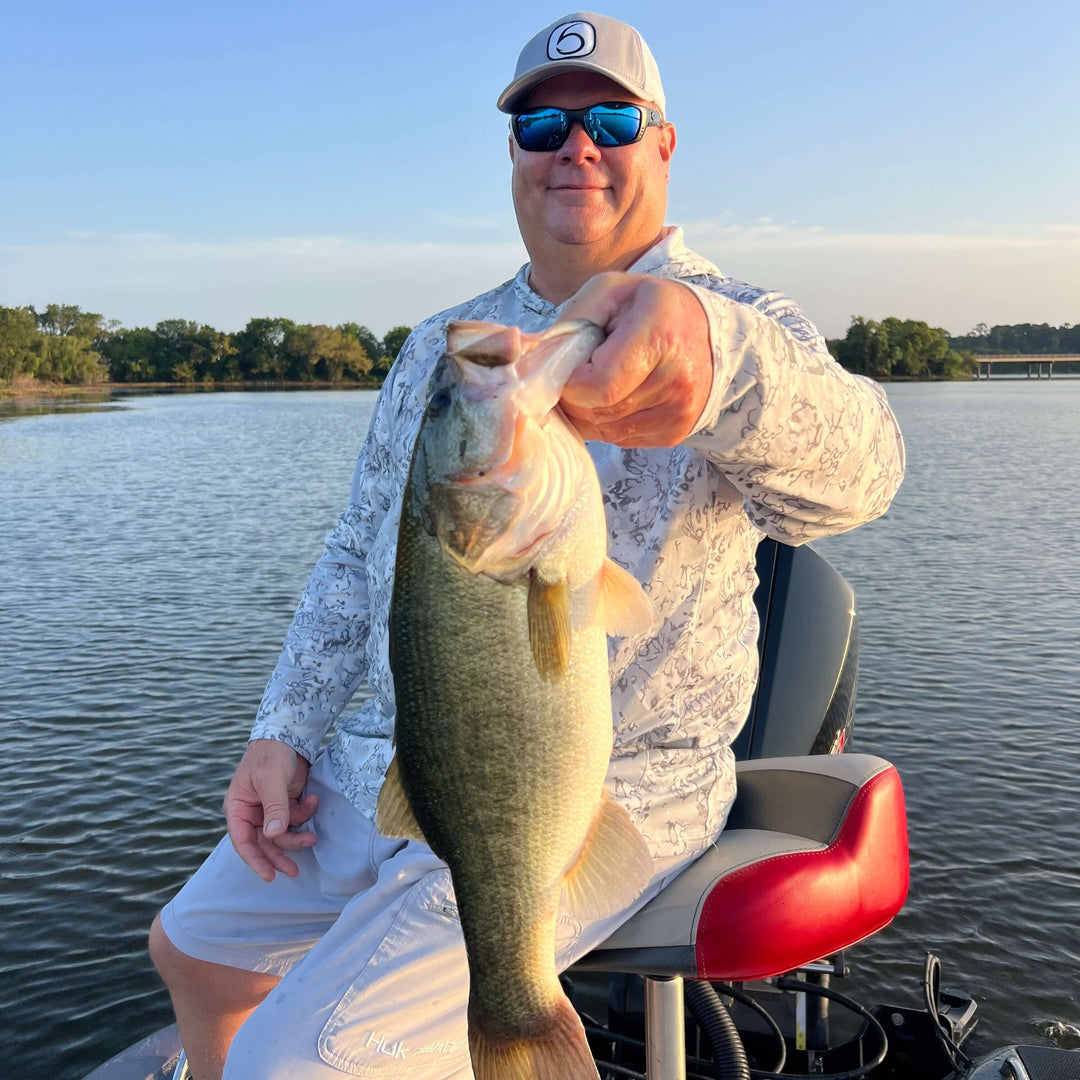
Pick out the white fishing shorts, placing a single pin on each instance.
(367, 938)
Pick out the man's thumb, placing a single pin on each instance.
(275, 803)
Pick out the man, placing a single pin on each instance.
(718, 416)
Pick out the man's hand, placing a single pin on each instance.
(263, 800)
(647, 384)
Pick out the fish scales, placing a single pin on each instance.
(498, 756)
(502, 742)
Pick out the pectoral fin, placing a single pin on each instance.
(613, 867)
(549, 626)
(393, 814)
(626, 608)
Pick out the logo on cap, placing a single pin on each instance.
(571, 39)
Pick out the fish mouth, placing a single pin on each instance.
(506, 472)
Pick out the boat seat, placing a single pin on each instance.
(813, 859)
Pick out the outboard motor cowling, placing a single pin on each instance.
(808, 648)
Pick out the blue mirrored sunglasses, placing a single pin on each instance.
(612, 123)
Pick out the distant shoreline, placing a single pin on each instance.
(25, 389)
(33, 389)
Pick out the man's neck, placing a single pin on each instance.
(557, 275)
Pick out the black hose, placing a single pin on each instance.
(931, 999)
(709, 1011)
(773, 1026)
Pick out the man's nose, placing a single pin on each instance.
(578, 147)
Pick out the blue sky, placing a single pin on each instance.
(333, 161)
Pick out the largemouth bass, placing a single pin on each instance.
(503, 596)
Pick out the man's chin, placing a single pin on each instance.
(579, 229)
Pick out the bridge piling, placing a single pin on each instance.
(1032, 365)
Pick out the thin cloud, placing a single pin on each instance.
(486, 222)
(956, 279)
(770, 235)
(140, 278)
(953, 279)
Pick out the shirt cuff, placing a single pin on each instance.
(728, 326)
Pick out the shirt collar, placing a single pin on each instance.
(530, 300)
(668, 248)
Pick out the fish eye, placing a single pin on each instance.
(439, 402)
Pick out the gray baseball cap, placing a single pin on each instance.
(584, 41)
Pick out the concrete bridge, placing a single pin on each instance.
(1035, 364)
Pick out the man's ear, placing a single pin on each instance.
(667, 141)
(510, 143)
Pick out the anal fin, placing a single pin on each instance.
(613, 867)
(393, 814)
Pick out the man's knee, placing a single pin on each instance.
(218, 985)
(167, 958)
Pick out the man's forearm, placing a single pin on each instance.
(813, 449)
(322, 662)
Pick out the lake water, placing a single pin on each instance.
(152, 550)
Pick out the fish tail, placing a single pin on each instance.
(559, 1051)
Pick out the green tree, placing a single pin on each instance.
(177, 350)
(958, 364)
(66, 358)
(129, 353)
(304, 348)
(66, 344)
(865, 348)
(18, 338)
(325, 352)
(392, 342)
(226, 357)
(371, 345)
(261, 348)
(900, 348)
(345, 356)
(917, 349)
(68, 320)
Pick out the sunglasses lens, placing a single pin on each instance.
(541, 129)
(613, 125)
(610, 124)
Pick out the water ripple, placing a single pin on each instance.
(152, 558)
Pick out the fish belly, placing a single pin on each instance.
(503, 771)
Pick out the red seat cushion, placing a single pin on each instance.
(786, 910)
(813, 858)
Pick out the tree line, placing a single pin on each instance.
(64, 344)
(905, 348)
(1021, 339)
(900, 348)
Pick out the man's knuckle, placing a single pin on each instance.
(608, 397)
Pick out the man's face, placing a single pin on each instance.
(613, 197)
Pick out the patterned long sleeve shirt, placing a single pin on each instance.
(789, 445)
